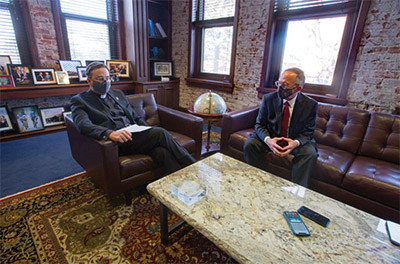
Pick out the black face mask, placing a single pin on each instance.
(102, 87)
(284, 93)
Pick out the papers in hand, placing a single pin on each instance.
(135, 128)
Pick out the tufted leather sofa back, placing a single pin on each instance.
(146, 107)
(340, 127)
(382, 139)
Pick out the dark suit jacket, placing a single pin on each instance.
(302, 123)
(93, 119)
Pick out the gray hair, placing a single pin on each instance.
(93, 66)
(300, 78)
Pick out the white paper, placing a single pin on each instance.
(135, 128)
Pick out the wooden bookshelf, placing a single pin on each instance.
(13, 135)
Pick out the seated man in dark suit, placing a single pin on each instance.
(103, 113)
(285, 124)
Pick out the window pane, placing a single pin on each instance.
(8, 43)
(88, 40)
(313, 45)
(217, 48)
(92, 8)
(214, 9)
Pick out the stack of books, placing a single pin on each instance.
(156, 30)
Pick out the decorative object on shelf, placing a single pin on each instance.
(52, 116)
(81, 73)
(155, 52)
(114, 77)
(152, 32)
(28, 118)
(5, 121)
(4, 60)
(21, 74)
(62, 77)
(70, 67)
(162, 69)
(120, 67)
(6, 81)
(161, 30)
(210, 103)
(44, 76)
(87, 62)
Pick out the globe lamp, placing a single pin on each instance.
(210, 103)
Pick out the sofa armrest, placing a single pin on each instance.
(100, 159)
(183, 123)
(236, 121)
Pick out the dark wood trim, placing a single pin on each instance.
(55, 6)
(268, 44)
(121, 39)
(24, 92)
(47, 130)
(30, 33)
(210, 84)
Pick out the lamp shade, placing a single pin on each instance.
(210, 103)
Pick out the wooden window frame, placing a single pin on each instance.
(336, 93)
(217, 82)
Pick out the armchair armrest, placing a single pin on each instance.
(236, 121)
(100, 159)
(183, 123)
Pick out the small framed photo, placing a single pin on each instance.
(163, 69)
(62, 77)
(44, 76)
(28, 118)
(52, 116)
(81, 73)
(114, 77)
(5, 121)
(87, 62)
(4, 60)
(70, 67)
(120, 67)
(21, 74)
(6, 81)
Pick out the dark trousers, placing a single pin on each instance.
(161, 146)
(305, 158)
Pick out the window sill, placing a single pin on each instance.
(210, 84)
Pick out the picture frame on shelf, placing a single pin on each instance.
(70, 67)
(43, 76)
(22, 74)
(52, 116)
(162, 69)
(5, 120)
(28, 118)
(6, 81)
(120, 67)
(65, 114)
(81, 73)
(4, 60)
(87, 62)
(114, 77)
(62, 77)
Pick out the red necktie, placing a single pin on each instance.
(285, 120)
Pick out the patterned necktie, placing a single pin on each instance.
(285, 120)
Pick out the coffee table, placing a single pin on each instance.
(242, 215)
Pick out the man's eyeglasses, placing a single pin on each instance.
(284, 85)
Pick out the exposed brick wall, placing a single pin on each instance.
(375, 84)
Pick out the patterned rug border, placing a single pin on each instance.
(50, 186)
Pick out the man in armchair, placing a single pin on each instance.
(102, 113)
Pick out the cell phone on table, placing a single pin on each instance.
(394, 232)
(314, 216)
(296, 224)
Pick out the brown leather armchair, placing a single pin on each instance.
(116, 174)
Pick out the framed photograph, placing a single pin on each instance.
(52, 116)
(70, 67)
(5, 121)
(87, 62)
(114, 77)
(163, 69)
(28, 118)
(62, 77)
(21, 74)
(6, 81)
(44, 76)
(81, 73)
(4, 60)
(120, 67)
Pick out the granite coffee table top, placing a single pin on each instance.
(242, 215)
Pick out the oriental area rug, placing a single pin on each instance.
(72, 221)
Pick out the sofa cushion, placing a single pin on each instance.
(340, 127)
(332, 164)
(382, 139)
(135, 164)
(188, 143)
(237, 139)
(375, 179)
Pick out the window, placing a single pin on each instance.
(89, 29)
(12, 32)
(213, 38)
(319, 36)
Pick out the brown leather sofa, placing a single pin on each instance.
(359, 156)
(120, 174)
